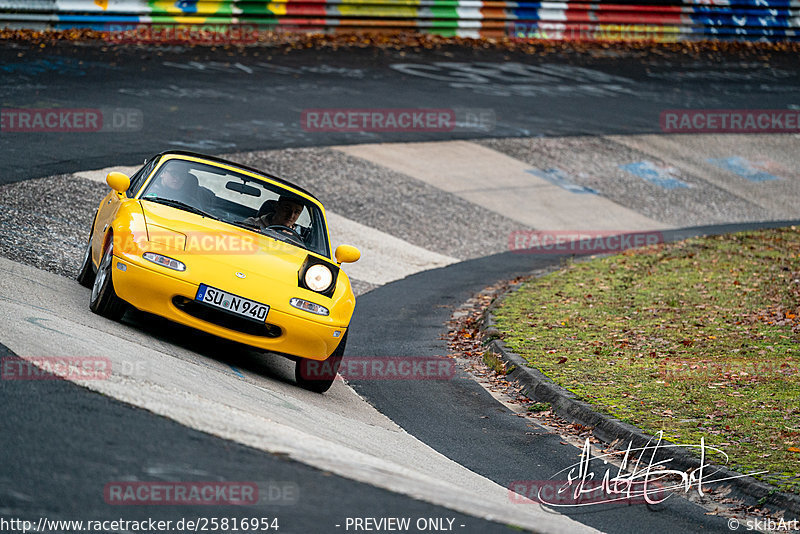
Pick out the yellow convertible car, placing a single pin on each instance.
(225, 249)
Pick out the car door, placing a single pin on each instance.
(105, 215)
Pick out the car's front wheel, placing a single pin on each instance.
(86, 276)
(319, 376)
(104, 301)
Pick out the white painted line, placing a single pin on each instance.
(777, 154)
(502, 184)
(43, 315)
(99, 175)
(384, 258)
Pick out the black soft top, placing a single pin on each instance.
(234, 164)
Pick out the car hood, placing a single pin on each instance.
(209, 247)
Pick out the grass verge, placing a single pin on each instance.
(699, 338)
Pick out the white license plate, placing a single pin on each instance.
(232, 303)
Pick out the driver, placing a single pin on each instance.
(175, 183)
(287, 210)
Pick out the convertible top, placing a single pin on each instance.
(234, 164)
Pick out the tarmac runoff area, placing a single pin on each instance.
(45, 314)
(408, 207)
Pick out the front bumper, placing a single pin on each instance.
(156, 292)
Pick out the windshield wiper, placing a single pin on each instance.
(269, 233)
(180, 205)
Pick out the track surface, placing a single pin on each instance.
(229, 101)
(460, 419)
(255, 103)
(69, 443)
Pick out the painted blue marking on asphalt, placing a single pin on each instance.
(53, 64)
(746, 169)
(652, 173)
(561, 179)
(235, 370)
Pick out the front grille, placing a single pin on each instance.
(225, 319)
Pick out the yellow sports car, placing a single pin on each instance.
(225, 249)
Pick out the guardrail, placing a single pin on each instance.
(659, 20)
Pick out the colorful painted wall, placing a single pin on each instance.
(661, 20)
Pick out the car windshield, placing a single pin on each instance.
(240, 200)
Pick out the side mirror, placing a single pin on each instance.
(118, 181)
(347, 254)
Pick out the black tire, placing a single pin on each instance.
(319, 376)
(104, 301)
(86, 276)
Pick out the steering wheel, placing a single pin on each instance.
(285, 230)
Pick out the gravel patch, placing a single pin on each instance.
(389, 201)
(594, 162)
(45, 222)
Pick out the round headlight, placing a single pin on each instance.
(318, 277)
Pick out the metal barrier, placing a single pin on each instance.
(659, 20)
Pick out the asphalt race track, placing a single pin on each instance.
(67, 441)
(490, 440)
(226, 101)
(560, 142)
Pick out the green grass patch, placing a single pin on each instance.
(494, 362)
(538, 407)
(698, 339)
